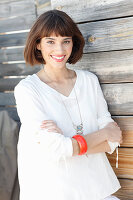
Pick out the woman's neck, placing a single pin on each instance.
(56, 75)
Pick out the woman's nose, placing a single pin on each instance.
(59, 48)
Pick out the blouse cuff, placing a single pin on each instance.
(113, 146)
(56, 146)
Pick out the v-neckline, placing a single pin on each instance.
(54, 90)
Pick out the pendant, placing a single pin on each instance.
(79, 129)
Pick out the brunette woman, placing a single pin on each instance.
(66, 126)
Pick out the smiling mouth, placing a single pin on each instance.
(58, 58)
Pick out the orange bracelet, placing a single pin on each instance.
(82, 143)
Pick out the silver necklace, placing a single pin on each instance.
(78, 128)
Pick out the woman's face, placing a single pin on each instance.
(56, 50)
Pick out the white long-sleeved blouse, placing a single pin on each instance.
(46, 167)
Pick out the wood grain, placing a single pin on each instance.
(110, 67)
(108, 35)
(43, 6)
(93, 9)
(17, 69)
(119, 98)
(7, 99)
(126, 191)
(15, 54)
(8, 84)
(17, 23)
(125, 162)
(126, 125)
(9, 40)
(16, 8)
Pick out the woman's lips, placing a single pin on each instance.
(58, 58)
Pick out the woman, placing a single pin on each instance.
(66, 127)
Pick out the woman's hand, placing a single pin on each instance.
(113, 132)
(51, 126)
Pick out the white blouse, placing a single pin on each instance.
(46, 167)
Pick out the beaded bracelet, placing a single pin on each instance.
(82, 143)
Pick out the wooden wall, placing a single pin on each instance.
(16, 18)
(107, 27)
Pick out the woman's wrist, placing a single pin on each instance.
(103, 134)
(92, 139)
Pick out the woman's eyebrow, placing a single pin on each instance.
(67, 38)
(49, 38)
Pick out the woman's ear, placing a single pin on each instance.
(38, 46)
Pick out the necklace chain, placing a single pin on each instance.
(78, 128)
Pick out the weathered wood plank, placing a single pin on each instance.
(127, 138)
(102, 36)
(6, 1)
(108, 35)
(7, 99)
(93, 9)
(43, 6)
(119, 98)
(15, 54)
(16, 8)
(17, 69)
(125, 162)
(17, 23)
(110, 67)
(8, 84)
(41, 2)
(126, 125)
(126, 191)
(17, 39)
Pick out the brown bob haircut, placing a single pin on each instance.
(59, 23)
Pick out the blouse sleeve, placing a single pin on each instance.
(103, 115)
(31, 114)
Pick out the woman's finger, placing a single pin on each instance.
(48, 121)
(48, 126)
(55, 130)
(51, 127)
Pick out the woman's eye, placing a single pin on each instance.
(50, 42)
(66, 42)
